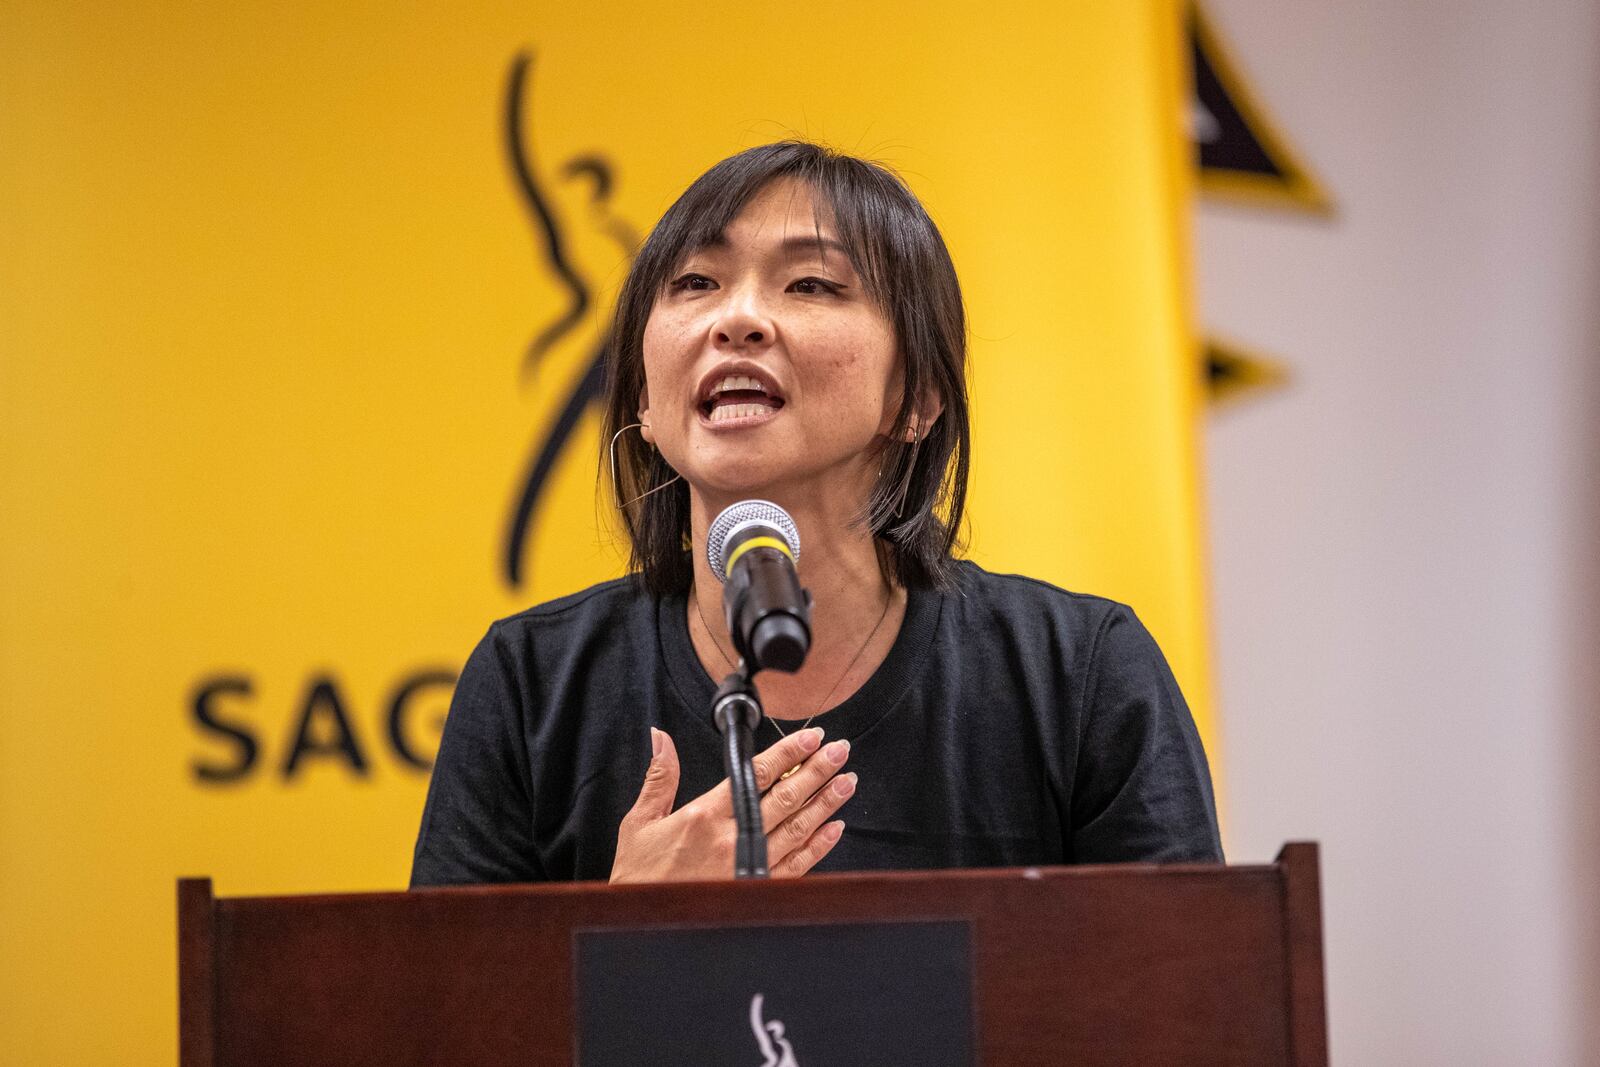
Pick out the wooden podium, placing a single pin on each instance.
(1089, 965)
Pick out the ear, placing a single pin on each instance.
(922, 420)
(645, 431)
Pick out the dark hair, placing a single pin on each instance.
(915, 509)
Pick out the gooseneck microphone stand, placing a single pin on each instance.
(736, 708)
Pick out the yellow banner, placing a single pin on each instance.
(298, 311)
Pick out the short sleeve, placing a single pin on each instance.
(1142, 788)
(478, 820)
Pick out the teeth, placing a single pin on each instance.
(736, 381)
(724, 412)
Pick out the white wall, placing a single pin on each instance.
(1404, 539)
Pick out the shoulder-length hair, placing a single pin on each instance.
(915, 509)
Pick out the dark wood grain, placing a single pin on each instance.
(196, 974)
(1110, 965)
(1302, 905)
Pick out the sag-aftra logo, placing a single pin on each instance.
(247, 729)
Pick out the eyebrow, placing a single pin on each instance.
(791, 245)
(825, 244)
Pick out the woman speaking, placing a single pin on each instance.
(793, 331)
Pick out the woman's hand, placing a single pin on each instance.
(657, 844)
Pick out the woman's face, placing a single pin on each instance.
(768, 367)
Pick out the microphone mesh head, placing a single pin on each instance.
(736, 517)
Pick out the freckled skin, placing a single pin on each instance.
(831, 354)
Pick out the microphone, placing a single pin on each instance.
(753, 547)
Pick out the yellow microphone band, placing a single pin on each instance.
(756, 542)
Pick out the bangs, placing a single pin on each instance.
(865, 218)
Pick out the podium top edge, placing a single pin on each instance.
(1292, 853)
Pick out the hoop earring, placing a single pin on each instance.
(616, 484)
(905, 482)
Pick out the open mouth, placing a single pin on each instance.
(739, 396)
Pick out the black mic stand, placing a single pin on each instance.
(736, 708)
(769, 619)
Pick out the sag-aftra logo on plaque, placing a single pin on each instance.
(776, 996)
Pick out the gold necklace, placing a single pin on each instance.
(726, 659)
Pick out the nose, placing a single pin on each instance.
(743, 325)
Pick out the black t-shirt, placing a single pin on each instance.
(1011, 724)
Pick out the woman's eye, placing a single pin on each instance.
(814, 286)
(696, 283)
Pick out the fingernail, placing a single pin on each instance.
(655, 742)
(838, 752)
(844, 785)
(831, 832)
(810, 739)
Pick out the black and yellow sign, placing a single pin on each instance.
(1242, 158)
(1242, 155)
